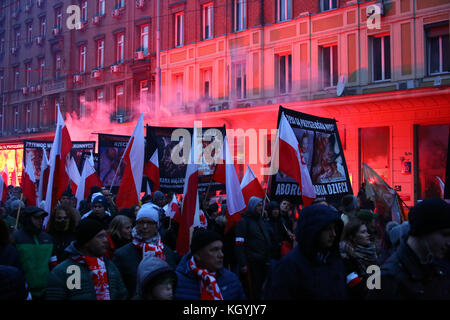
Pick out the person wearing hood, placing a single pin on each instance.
(61, 226)
(413, 271)
(99, 278)
(156, 280)
(253, 248)
(146, 241)
(36, 250)
(98, 211)
(200, 273)
(313, 270)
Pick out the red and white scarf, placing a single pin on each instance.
(152, 247)
(97, 268)
(208, 284)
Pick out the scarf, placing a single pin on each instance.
(365, 256)
(97, 268)
(208, 284)
(150, 247)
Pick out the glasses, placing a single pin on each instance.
(142, 223)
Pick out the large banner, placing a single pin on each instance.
(171, 172)
(320, 144)
(33, 150)
(11, 156)
(110, 150)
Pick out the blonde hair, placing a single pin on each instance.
(116, 225)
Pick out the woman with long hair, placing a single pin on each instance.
(119, 233)
(61, 226)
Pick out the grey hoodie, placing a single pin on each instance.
(148, 269)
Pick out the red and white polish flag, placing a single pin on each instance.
(58, 179)
(291, 161)
(172, 208)
(4, 184)
(89, 178)
(74, 174)
(43, 177)
(130, 186)
(151, 170)
(250, 186)
(29, 183)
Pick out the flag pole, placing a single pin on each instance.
(18, 212)
(269, 180)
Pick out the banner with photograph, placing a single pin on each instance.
(11, 156)
(320, 144)
(110, 150)
(172, 173)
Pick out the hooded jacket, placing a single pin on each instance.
(301, 274)
(255, 234)
(148, 270)
(57, 282)
(188, 287)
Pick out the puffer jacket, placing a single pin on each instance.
(188, 287)
(57, 282)
(301, 274)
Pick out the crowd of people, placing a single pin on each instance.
(275, 251)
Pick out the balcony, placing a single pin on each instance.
(140, 4)
(54, 86)
(77, 78)
(96, 74)
(97, 19)
(115, 69)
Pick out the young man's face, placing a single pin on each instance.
(285, 206)
(327, 236)
(37, 221)
(210, 257)
(438, 243)
(98, 209)
(97, 246)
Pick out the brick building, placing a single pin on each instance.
(233, 62)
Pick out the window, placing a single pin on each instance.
(2, 83)
(239, 76)
(100, 53)
(326, 5)
(16, 38)
(119, 98)
(143, 95)
(328, 62)
(207, 20)
(84, 12)
(179, 29)
(239, 11)
(375, 146)
(58, 18)
(283, 72)
(438, 49)
(119, 4)
(283, 10)
(41, 114)
(82, 58)
(27, 116)
(16, 118)
(16, 75)
(82, 102)
(100, 96)
(41, 62)
(43, 26)
(206, 78)
(143, 39)
(381, 58)
(2, 44)
(29, 28)
(28, 74)
(101, 7)
(120, 43)
(178, 81)
(58, 65)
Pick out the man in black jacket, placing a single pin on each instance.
(412, 272)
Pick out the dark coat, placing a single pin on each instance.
(404, 277)
(301, 274)
(127, 259)
(61, 240)
(12, 284)
(10, 257)
(188, 287)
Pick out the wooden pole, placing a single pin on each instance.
(18, 212)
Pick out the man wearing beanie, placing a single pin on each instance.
(99, 277)
(146, 241)
(412, 272)
(99, 212)
(201, 275)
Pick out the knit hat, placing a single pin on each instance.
(349, 202)
(95, 195)
(148, 211)
(86, 230)
(158, 195)
(34, 211)
(100, 199)
(428, 216)
(203, 237)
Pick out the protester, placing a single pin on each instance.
(119, 234)
(111, 206)
(412, 272)
(395, 233)
(9, 220)
(62, 229)
(99, 204)
(36, 250)
(156, 280)
(66, 198)
(99, 277)
(201, 275)
(146, 241)
(128, 213)
(313, 270)
(8, 253)
(349, 207)
(253, 248)
(286, 216)
(358, 253)
(280, 237)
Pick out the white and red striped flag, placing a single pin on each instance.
(74, 174)
(43, 177)
(151, 170)
(4, 185)
(131, 183)
(58, 179)
(89, 178)
(291, 160)
(5, 174)
(29, 183)
(250, 186)
(172, 208)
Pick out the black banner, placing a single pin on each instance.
(320, 144)
(169, 142)
(110, 150)
(447, 171)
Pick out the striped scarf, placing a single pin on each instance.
(97, 269)
(209, 288)
(150, 247)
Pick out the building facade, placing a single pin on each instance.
(381, 68)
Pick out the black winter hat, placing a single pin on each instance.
(86, 230)
(34, 211)
(428, 216)
(202, 237)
